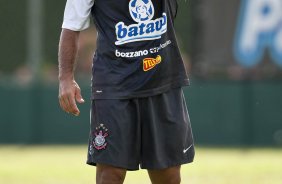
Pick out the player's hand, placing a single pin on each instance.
(69, 94)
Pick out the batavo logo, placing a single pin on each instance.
(142, 12)
(149, 63)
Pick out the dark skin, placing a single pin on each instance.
(70, 95)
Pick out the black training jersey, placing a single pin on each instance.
(137, 54)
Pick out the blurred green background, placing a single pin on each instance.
(229, 104)
(233, 106)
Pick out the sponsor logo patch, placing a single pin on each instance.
(142, 12)
(150, 63)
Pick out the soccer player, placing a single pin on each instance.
(138, 115)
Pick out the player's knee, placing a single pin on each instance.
(174, 180)
(167, 180)
(110, 175)
(166, 176)
(110, 179)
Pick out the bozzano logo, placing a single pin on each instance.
(260, 28)
(142, 12)
(150, 63)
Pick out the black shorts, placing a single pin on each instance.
(153, 132)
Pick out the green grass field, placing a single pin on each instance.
(66, 165)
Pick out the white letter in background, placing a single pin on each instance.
(277, 47)
(260, 27)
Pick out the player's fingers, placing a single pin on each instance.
(64, 104)
(67, 104)
(72, 106)
(78, 96)
(61, 105)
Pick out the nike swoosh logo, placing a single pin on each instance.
(185, 150)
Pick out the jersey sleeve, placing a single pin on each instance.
(77, 14)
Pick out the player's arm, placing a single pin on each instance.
(76, 19)
(69, 90)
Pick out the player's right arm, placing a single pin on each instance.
(69, 90)
(76, 19)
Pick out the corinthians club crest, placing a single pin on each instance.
(141, 10)
(99, 142)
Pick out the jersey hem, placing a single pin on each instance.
(139, 94)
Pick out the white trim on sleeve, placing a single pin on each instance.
(77, 14)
